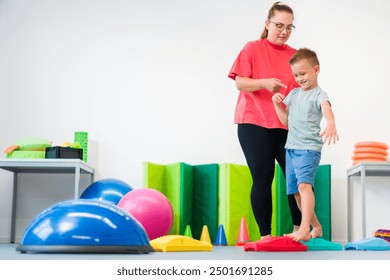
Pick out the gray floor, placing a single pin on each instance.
(9, 252)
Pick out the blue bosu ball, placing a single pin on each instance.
(85, 226)
(111, 190)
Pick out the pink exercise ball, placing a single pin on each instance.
(151, 208)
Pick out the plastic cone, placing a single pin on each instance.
(243, 235)
(205, 236)
(220, 240)
(188, 231)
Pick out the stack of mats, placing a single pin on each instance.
(383, 233)
(369, 151)
(28, 147)
(215, 194)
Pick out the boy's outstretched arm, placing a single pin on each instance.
(277, 99)
(329, 134)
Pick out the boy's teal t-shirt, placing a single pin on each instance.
(304, 118)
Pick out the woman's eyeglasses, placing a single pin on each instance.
(280, 26)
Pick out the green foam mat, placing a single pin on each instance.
(219, 194)
(186, 196)
(284, 221)
(322, 193)
(235, 183)
(167, 180)
(26, 154)
(275, 208)
(205, 200)
(192, 191)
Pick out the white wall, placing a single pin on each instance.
(147, 79)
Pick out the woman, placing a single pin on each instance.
(261, 69)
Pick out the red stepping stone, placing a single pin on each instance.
(275, 244)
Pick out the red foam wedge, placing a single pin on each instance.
(275, 244)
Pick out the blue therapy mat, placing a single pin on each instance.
(369, 244)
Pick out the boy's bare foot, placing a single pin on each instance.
(316, 232)
(265, 236)
(299, 235)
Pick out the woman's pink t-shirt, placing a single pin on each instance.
(261, 60)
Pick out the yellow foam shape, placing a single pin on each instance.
(179, 243)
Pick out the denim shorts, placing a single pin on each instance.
(301, 167)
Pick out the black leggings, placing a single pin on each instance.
(261, 146)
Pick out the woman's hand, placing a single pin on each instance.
(273, 84)
(252, 85)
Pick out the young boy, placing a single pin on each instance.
(304, 109)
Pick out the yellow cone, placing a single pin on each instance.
(205, 236)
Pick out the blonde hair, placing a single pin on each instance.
(276, 7)
(305, 53)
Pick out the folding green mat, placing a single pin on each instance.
(322, 184)
(215, 194)
(192, 191)
(235, 184)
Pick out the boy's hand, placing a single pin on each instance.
(278, 97)
(329, 134)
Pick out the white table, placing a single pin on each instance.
(363, 170)
(44, 166)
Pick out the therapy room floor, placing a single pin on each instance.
(8, 252)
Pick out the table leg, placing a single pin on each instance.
(362, 181)
(77, 182)
(13, 210)
(349, 208)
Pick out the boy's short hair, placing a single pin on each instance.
(305, 53)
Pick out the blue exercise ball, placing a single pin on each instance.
(86, 226)
(110, 190)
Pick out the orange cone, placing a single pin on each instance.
(205, 236)
(243, 235)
